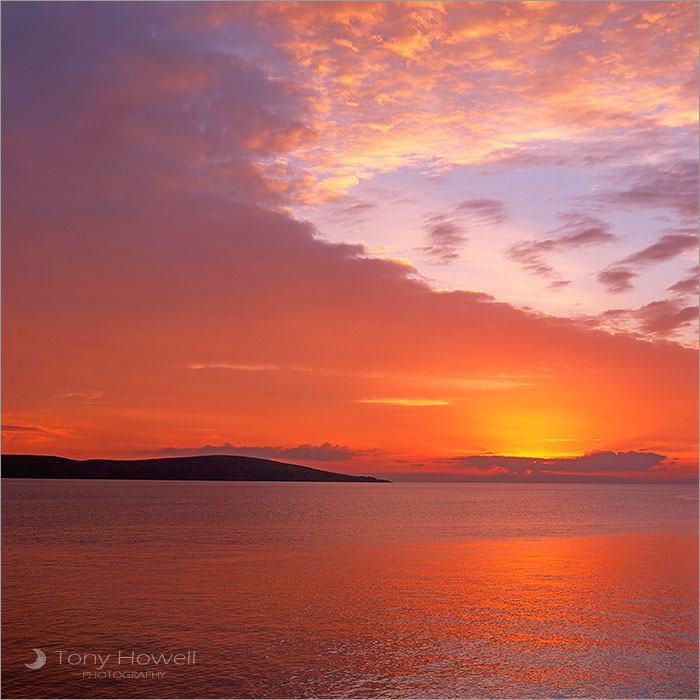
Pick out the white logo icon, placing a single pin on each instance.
(40, 660)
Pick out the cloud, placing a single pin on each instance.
(577, 231)
(351, 208)
(445, 232)
(156, 136)
(580, 230)
(484, 210)
(667, 185)
(325, 452)
(444, 239)
(663, 318)
(236, 367)
(22, 428)
(528, 254)
(603, 461)
(688, 286)
(86, 395)
(618, 277)
(407, 402)
(156, 106)
(667, 247)
(559, 284)
(408, 88)
(660, 319)
(32, 432)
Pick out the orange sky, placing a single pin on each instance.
(169, 287)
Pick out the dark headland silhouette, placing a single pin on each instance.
(208, 468)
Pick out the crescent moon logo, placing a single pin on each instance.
(40, 660)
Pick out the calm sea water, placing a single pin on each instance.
(350, 590)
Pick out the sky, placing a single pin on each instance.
(429, 240)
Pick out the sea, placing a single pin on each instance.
(164, 589)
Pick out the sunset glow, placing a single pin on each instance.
(454, 238)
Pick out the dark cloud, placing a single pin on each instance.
(604, 461)
(528, 254)
(522, 478)
(22, 429)
(325, 452)
(581, 230)
(559, 284)
(444, 239)
(307, 452)
(670, 185)
(688, 286)
(139, 109)
(658, 318)
(618, 277)
(446, 231)
(667, 247)
(577, 230)
(484, 210)
(663, 318)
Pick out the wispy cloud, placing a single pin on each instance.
(236, 367)
(618, 277)
(22, 429)
(603, 461)
(688, 286)
(407, 402)
(492, 212)
(667, 247)
(661, 319)
(36, 432)
(325, 452)
(351, 209)
(670, 184)
(577, 231)
(458, 381)
(444, 238)
(446, 231)
(86, 395)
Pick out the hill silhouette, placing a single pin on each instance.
(207, 468)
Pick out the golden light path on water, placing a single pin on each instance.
(353, 590)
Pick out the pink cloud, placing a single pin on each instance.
(485, 210)
(667, 247)
(445, 237)
(618, 277)
(577, 231)
(659, 319)
(670, 185)
(688, 286)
